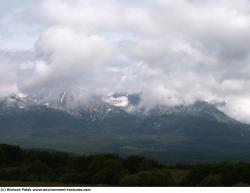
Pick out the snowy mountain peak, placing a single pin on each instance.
(101, 107)
(121, 101)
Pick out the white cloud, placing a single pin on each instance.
(174, 52)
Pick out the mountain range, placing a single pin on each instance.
(119, 124)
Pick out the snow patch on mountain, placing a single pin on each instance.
(121, 101)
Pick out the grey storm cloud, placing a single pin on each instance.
(174, 52)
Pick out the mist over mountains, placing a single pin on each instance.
(175, 53)
(118, 124)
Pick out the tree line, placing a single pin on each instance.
(28, 165)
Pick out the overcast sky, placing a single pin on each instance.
(174, 52)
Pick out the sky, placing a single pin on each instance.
(173, 52)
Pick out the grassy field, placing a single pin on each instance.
(36, 184)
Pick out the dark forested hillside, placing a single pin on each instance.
(42, 168)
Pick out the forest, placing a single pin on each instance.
(36, 167)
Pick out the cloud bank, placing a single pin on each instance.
(174, 52)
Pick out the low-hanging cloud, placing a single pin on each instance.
(174, 52)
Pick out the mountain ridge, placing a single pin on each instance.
(170, 134)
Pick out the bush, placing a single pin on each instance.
(11, 173)
(137, 163)
(148, 178)
(11, 154)
(74, 177)
(130, 180)
(212, 180)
